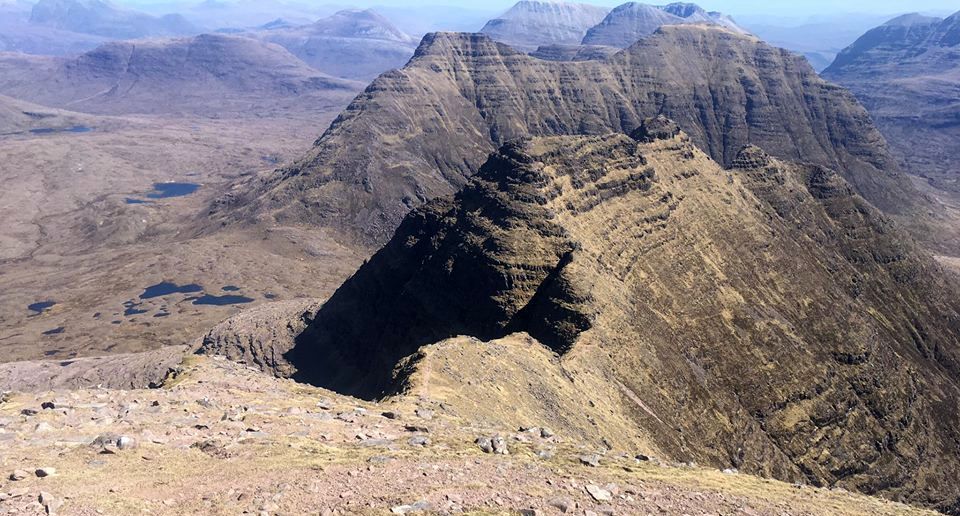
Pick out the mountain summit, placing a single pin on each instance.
(420, 132)
(633, 20)
(533, 23)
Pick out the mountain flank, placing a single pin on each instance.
(907, 74)
(661, 277)
(420, 132)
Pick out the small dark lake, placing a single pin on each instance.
(41, 306)
(130, 200)
(166, 288)
(53, 130)
(222, 300)
(231, 288)
(168, 190)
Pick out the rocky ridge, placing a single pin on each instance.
(223, 438)
(432, 124)
(656, 274)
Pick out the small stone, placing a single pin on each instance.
(419, 440)
(590, 460)
(126, 443)
(424, 414)
(563, 505)
(390, 415)
(29, 412)
(599, 494)
(46, 472)
(545, 454)
(546, 433)
(43, 426)
(730, 471)
(485, 444)
(530, 512)
(642, 458)
(18, 475)
(48, 405)
(50, 503)
(500, 446)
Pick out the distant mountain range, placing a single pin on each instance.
(531, 23)
(210, 75)
(354, 44)
(632, 21)
(103, 18)
(907, 73)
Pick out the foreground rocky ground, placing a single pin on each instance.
(221, 438)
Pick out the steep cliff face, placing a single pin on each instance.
(764, 317)
(420, 132)
(632, 21)
(532, 23)
(907, 74)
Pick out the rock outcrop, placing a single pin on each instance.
(533, 23)
(260, 337)
(420, 132)
(907, 74)
(764, 318)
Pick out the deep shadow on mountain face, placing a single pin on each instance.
(773, 320)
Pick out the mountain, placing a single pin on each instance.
(420, 132)
(907, 74)
(764, 317)
(102, 18)
(532, 23)
(819, 39)
(353, 44)
(20, 36)
(21, 117)
(632, 21)
(209, 74)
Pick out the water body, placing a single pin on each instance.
(166, 288)
(53, 130)
(221, 300)
(231, 288)
(41, 306)
(55, 331)
(168, 190)
(130, 200)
